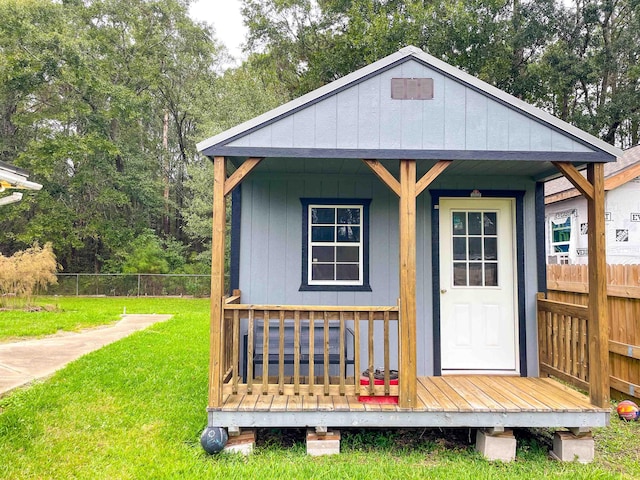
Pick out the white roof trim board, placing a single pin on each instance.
(209, 146)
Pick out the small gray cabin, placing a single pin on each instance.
(393, 220)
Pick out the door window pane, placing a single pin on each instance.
(475, 274)
(475, 223)
(475, 248)
(460, 274)
(491, 274)
(490, 248)
(459, 248)
(459, 223)
(490, 223)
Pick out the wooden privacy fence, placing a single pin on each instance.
(314, 350)
(563, 326)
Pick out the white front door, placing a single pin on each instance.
(478, 285)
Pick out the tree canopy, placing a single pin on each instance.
(103, 101)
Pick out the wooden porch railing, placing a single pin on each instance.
(563, 341)
(266, 329)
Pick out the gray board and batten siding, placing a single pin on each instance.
(355, 117)
(271, 246)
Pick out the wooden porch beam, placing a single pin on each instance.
(431, 175)
(598, 315)
(217, 282)
(572, 174)
(242, 171)
(383, 174)
(407, 324)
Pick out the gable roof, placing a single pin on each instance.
(254, 137)
(624, 169)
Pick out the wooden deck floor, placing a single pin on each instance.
(469, 400)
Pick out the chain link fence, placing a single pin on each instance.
(132, 285)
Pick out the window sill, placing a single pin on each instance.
(334, 288)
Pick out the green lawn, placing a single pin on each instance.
(136, 408)
(76, 313)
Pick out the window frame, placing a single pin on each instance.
(562, 256)
(362, 285)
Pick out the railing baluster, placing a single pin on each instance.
(371, 354)
(356, 354)
(342, 364)
(312, 351)
(296, 352)
(265, 349)
(326, 352)
(281, 355)
(387, 363)
(250, 351)
(236, 350)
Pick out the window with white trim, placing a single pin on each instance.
(335, 244)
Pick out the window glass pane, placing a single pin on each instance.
(349, 216)
(561, 248)
(459, 223)
(490, 223)
(320, 271)
(322, 234)
(459, 248)
(475, 248)
(347, 271)
(322, 254)
(348, 254)
(348, 234)
(491, 274)
(475, 223)
(491, 248)
(323, 215)
(475, 274)
(460, 274)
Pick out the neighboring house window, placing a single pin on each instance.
(335, 244)
(560, 240)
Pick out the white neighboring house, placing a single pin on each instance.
(566, 222)
(14, 178)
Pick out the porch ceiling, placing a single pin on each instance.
(537, 170)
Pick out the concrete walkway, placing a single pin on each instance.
(23, 362)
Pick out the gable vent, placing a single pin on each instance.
(412, 88)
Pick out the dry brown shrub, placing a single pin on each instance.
(26, 273)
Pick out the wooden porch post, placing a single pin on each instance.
(598, 319)
(217, 281)
(407, 325)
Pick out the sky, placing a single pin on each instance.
(225, 17)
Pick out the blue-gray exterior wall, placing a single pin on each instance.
(365, 117)
(271, 236)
